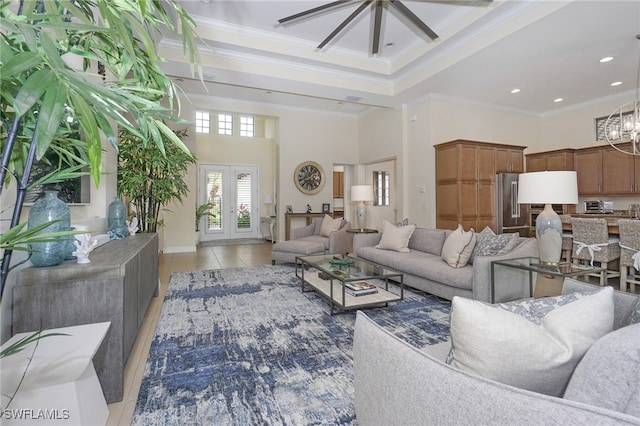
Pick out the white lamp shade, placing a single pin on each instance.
(362, 193)
(557, 187)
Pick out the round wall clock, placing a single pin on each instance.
(309, 177)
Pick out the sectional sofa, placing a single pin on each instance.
(604, 388)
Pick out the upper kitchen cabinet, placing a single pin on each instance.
(509, 160)
(589, 170)
(606, 171)
(620, 172)
(562, 159)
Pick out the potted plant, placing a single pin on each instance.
(93, 62)
(204, 210)
(150, 178)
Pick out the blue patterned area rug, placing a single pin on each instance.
(244, 346)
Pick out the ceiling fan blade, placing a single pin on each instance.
(414, 19)
(312, 11)
(377, 23)
(344, 23)
(456, 2)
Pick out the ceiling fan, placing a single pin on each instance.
(378, 6)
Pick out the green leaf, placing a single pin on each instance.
(49, 117)
(20, 63)
(32, 90)
(51, 51)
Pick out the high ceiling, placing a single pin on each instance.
(546, 48)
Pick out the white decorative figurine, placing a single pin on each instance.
(132, 226)
(84, 246)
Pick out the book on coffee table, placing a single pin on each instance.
(360, 288)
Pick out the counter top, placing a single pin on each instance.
(611, 218)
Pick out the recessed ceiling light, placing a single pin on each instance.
(616, 83)
(515, 91)
(558, 100)
(389, 45)
(606, 59)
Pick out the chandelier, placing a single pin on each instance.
(622, 128)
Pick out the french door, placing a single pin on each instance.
(232, 191)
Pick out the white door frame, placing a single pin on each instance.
(229, 228)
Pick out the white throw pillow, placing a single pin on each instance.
(458, 247)
(329, 225)
(395, 237)
(533, 344)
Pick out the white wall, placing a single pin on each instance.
(420, 126)
(296, 135)
(575, 128)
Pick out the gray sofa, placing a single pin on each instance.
(424, 269)
(422, 389)
(307, 241)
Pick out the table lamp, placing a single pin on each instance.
(557, 187)
(362, 194)
(268, 200)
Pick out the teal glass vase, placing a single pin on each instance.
(45, 210)
(117, 219)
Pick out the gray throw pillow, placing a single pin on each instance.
(608, 374)
(490, 244)
(533, 344)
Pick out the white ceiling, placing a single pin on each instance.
(547, 48)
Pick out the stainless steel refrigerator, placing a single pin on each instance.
(512, 217)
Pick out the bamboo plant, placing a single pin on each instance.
(150, 178)
(118, 84)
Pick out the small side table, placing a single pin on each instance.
(60, 376)
(362, 231)
(271, 221)
(532, 265)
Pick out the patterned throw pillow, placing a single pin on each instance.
(635, 314)
(403, 222)
(531, 344)
(490, 244)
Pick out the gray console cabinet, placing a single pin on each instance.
(116, 286)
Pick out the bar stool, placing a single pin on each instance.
(591, 242)
(629, 253)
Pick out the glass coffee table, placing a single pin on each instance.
(331, 276)
(533, 265)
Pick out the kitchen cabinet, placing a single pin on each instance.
(509, 160)
(562, 159)
(338, 184)
(606, 171)
(618, 172)
(589, 170)
(466, 181)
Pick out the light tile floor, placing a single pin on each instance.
(120, 413)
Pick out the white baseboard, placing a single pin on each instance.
(180, 249)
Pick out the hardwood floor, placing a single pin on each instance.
(120, 413)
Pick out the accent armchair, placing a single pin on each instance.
(309, 240)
